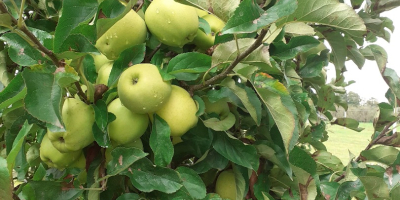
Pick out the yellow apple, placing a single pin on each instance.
(201, 13)
(104, 73)
(142, 90)
(125, 33)
(176, 140)
(100, 60)
(173, 23)
(54, 158)
(179, 111)
(203, 41)
(78, 119)
(128, 126)
(225, 186)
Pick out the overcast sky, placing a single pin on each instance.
(369, 82)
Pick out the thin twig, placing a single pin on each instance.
(233, 64)
(147, 59)
(81, 93)
(32, 37)
(371, 144)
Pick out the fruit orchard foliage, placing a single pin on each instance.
(242, 89)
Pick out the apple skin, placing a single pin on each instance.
(127, 32)
(201, 13)
(176, 140)
(204, 41)
(142, 90)
(179, 112)
(78, 119)
(128, 126)
(54, 158)
(173, 23)
(225, 186)
(33, 155)
(100, 60)
(137, 144)
(104, 74)
(219, 107)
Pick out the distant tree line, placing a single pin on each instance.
(359, 109)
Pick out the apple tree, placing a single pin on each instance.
(190, 99)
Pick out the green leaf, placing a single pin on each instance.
(122, 158)
(296, 45)
(204, 26)
(77, 43)
(395, 191)
(385, 114)
(348, 123)
(299, 28)
(102, 119)
(17, 144)
(275, 96)
(223, 9)
(338, 46)
(5, 20)
(147, 177)
(74, 12)
(89, 69)
(5, 75)
(330, 189)
(382, 6)
(326, 97)
(354, 53)
(54, 190)
(220, 125)
(249, 17)
(314, 65)
(14, 92)
(377, 53)
(236, 151)
(192, 62)
(6, 192)
(211, 159)
(227, 53)
(192, 182)
(21, 52)
(393, 80)
(247, 96)
(66, 77)
(375, 187)
(383, 154)
(199, 139)
(127, 58)
(46, 106)
(200, 104)
(129, 196)
(329, 13)
(160, 142)
(275, 154)
(327, 162)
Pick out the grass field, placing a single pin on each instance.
(342, 140)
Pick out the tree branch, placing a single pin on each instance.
(81, 93)
(147, 59)
(239, 58)
(32, 37)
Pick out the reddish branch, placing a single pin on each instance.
(233, 64)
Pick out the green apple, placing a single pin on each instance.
(179, 111)
(173, 23)
(201, 13)
(176, 140)
(219, 107)
(104, 73)
(225, 186)
(78, 119)
(142, 90)
(100, 60)
(33, 155)
(125, 33)
(204, 41)
(128, 126)
(54, 158)
(137, 144)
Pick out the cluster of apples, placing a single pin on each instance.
(141, 90)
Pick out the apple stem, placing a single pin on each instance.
(32, 37)
(240, 57)
(81, 93)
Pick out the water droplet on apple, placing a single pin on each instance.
(157, 11)
(110, 36)
(155, 95)
(144, 108)
(126, 42)
(169, 21)
(173, 12)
